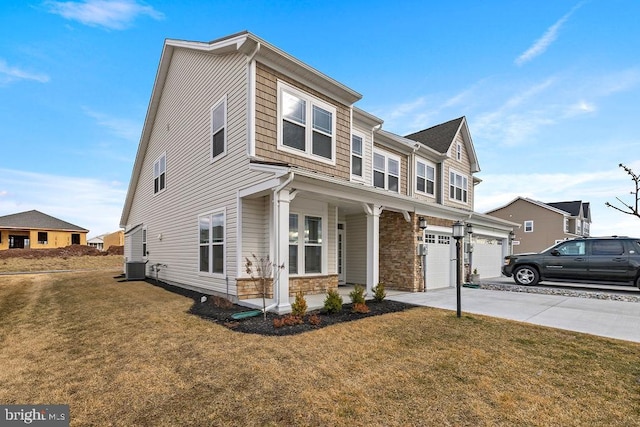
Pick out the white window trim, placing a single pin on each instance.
(222, 101)
(301, 243)
(524, 226)
(222, 275)
(362, 137)
(144, 238)
(459, 152)
(431, 165)
(310, 102)
(387, 156)
(153, 173)
(453, 199)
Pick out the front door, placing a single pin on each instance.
(341, 254)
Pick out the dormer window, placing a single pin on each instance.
(307, 125)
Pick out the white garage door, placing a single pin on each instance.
(487, 257)
(438, 260)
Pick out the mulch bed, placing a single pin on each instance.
(220, 310)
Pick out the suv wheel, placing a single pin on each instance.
(525, 275)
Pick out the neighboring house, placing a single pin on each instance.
(96, 242)
(35, 230)
(544, 224)
(113, 239)
(247, 150)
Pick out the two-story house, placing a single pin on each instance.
(248, 150)
(545, 224)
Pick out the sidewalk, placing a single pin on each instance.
(612, 319)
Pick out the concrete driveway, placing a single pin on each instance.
(606, 318)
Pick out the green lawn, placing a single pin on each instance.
(128, 354)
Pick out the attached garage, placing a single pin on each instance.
(440, 260)
(487, 256)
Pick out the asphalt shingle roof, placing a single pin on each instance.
(438, 137)
(35, 219)
(573, 208)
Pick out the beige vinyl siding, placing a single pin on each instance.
(255, 227)
(463, 167)
(266, 126)
(548, 225)
(195, 82)
(356, 254)
(367, 153)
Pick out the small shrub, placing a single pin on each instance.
(291, 320)
(299, 307)
(314, 319)
(360, 307)
(333, 301)
(378, 292)
(357, 295)
(278, 322)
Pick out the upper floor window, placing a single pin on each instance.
(144, 241)
(307, 125)
(212, 242)
(528, 226)
(386, 171)
(458, 187)
(425, 178)
(566, 225)
(218, 129)
(459, 152)
(356, 156)
(159, 173)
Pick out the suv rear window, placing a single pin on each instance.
(607, 247)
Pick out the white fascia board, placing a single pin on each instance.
(466, 136)
(396, 142)
(367, 120)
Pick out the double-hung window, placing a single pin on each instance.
(219, 129)
(458, 187)
(386, 171)
(356, 156)
(425, 178)
(307, 125)
(160, 173)
(528, 226)
(459, 152)
(212, 242)
(305, 244)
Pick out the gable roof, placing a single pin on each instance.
(533, 202)
(572, 208)
(37, 220)
(440, 137)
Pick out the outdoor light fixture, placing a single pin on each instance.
(512, 236)
(469, 229)
(458, 234)
(422, 223)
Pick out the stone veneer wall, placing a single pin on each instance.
(399, 263)
(309, 285)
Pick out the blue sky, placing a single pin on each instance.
(551, 89)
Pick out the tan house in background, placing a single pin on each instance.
(36, 230)
(113, 239)
(544, 224)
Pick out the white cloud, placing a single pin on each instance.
(85, 202)
(542, 44)
(114, 15)
(124, 128)
(10, 74)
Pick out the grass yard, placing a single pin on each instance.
(127, 353)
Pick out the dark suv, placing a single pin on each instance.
(597, 259)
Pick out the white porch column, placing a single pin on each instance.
(282, 251)
(373, 246)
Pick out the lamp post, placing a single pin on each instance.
(458, 234)
(422, 224)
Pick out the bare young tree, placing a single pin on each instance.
(629, 209)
